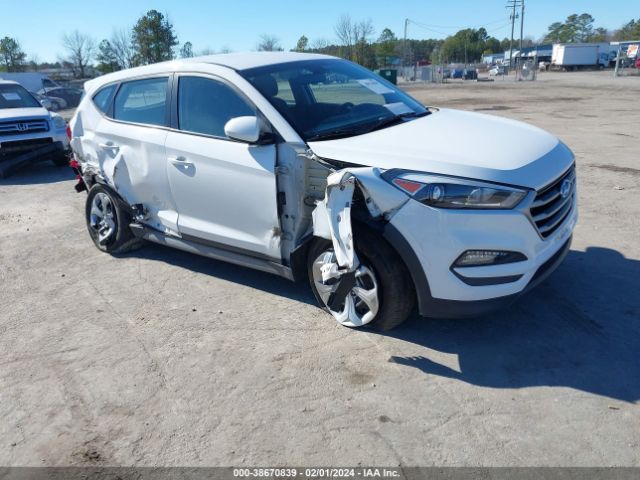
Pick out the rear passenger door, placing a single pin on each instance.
(224, 190)
(130, 146)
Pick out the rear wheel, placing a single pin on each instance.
(108, 221)
(382, 296)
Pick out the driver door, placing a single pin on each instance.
(224, 190)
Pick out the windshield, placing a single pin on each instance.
(332, 98)
(15, 96)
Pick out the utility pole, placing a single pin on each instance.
(512, 4)
(404, 47)
(521, 27)
(466, 41)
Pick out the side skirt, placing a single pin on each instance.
(212, 250)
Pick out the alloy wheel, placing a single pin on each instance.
(361, 304)
(102, 219)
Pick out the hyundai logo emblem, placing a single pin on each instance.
(22, 127)
(565, 188)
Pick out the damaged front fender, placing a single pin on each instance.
(332, 215)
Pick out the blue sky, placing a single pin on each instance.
(39, 25)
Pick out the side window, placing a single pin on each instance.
(205, 105)
(102, 98)
(142, 101)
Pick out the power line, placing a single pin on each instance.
(427, 28)
(460, 27)
(440, 32)
(501, 28)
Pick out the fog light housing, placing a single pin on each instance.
(479, 258)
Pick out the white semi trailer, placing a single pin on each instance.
(573, 56)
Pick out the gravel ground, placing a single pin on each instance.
(164, 358)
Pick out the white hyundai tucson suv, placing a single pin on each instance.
(312, 167)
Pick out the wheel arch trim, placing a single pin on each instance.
(418, 276)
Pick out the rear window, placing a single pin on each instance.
(16, 96)
(103, 98)
(142, 101)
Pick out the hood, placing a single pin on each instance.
(458, 143)
(16, 113)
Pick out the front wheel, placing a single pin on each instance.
(108, 221)
(382, 295)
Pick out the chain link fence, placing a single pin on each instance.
(527, 70)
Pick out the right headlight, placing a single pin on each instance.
(449, 192)
(58, 121)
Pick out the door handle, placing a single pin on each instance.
(109, 146)
(180, 160)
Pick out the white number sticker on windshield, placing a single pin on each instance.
(398, 108)
(11, 96)
(375, 87)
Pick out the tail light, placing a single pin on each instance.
(69, 132)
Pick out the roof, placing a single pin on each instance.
(626, 42)
(235, 61)
(242, 61)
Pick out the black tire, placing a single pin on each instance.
(397, 292)
(55, 106)
(121, 240)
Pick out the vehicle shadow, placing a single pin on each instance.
(39, 173)
(226, 271)
(579, 329)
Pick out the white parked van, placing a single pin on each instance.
(308, 166)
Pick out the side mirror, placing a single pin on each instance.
(244, 129)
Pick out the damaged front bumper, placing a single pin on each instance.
(429, 240)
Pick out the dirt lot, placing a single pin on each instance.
(164, 358)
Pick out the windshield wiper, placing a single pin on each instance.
(388, 121)
(369, 127)
(333, 134)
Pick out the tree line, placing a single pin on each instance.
(580, 28)
(153, 39)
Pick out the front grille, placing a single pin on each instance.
(550, 208)
(18, 127)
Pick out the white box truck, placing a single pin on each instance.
(574, 56)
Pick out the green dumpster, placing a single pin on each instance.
(389, 74)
